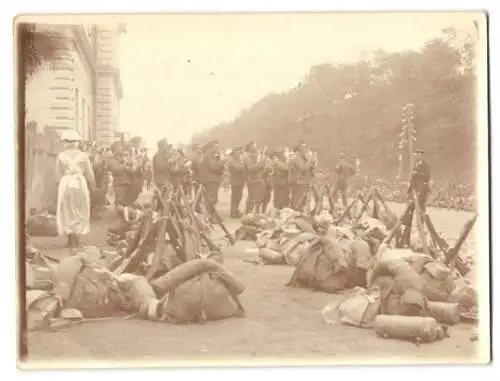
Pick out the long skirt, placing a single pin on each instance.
(73, 205)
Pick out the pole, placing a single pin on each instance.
(411, 137)
(410, 133)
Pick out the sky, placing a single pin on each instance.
(182, 74)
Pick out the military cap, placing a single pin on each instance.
(342, 155)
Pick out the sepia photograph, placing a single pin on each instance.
(252, 189)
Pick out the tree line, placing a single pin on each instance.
(356, 108)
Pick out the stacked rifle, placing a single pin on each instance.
(432, 244)
(171, 232)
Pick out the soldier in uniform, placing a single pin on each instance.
(98, 197)
(343, 172)
(268, 181)
(237, 178)
(281, 188)
(250, 146)
(136, 164)
(211, 171)
(301, 166)
(161, 167)
(196, 157)
(121, 169)
(254, 165)
(420, 178)
(177, 168)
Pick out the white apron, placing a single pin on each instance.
(73, 199)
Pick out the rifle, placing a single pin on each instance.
(452, 254)
(213, 212)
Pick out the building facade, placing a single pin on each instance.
(81, 88)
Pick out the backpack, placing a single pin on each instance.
(95, 293)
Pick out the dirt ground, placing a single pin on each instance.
(283, 325)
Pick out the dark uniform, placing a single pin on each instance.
(122, 174)
(177, 168)
(237, 178)
(343, 171)
(161, 167)
(98, 197)
(255, 181)
(211, 169)
(268, 183)
(196, 157)
(420, 178)
(301, 175)
(281, 187)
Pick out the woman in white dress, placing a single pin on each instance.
(74, 171)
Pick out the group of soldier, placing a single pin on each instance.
(279, 177)
(120, 171)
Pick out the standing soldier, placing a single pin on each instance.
(301, 167)
(420, 178)
(136, 167)
(237, 178)
(268, 181)
(148, 173)
(177, 168)
(161, 167)
(196, 157)
(292, 173)
(254, 164)
(249, 146)
(281, 188)
(343, 171)
(121, 170)
(98, 197)
(211, 171)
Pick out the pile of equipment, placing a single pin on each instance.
(413, 291)
(167, 269)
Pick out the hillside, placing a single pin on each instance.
(355, 108)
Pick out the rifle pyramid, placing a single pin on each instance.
(401, 227)
(172, 231)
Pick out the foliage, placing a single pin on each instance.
(356, 108)
(37, 48)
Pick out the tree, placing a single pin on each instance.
(356, 108)
(37, 48)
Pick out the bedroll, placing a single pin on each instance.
(324, 265)
(95, 293)
(198, 291)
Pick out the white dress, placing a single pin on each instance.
(73, 198)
